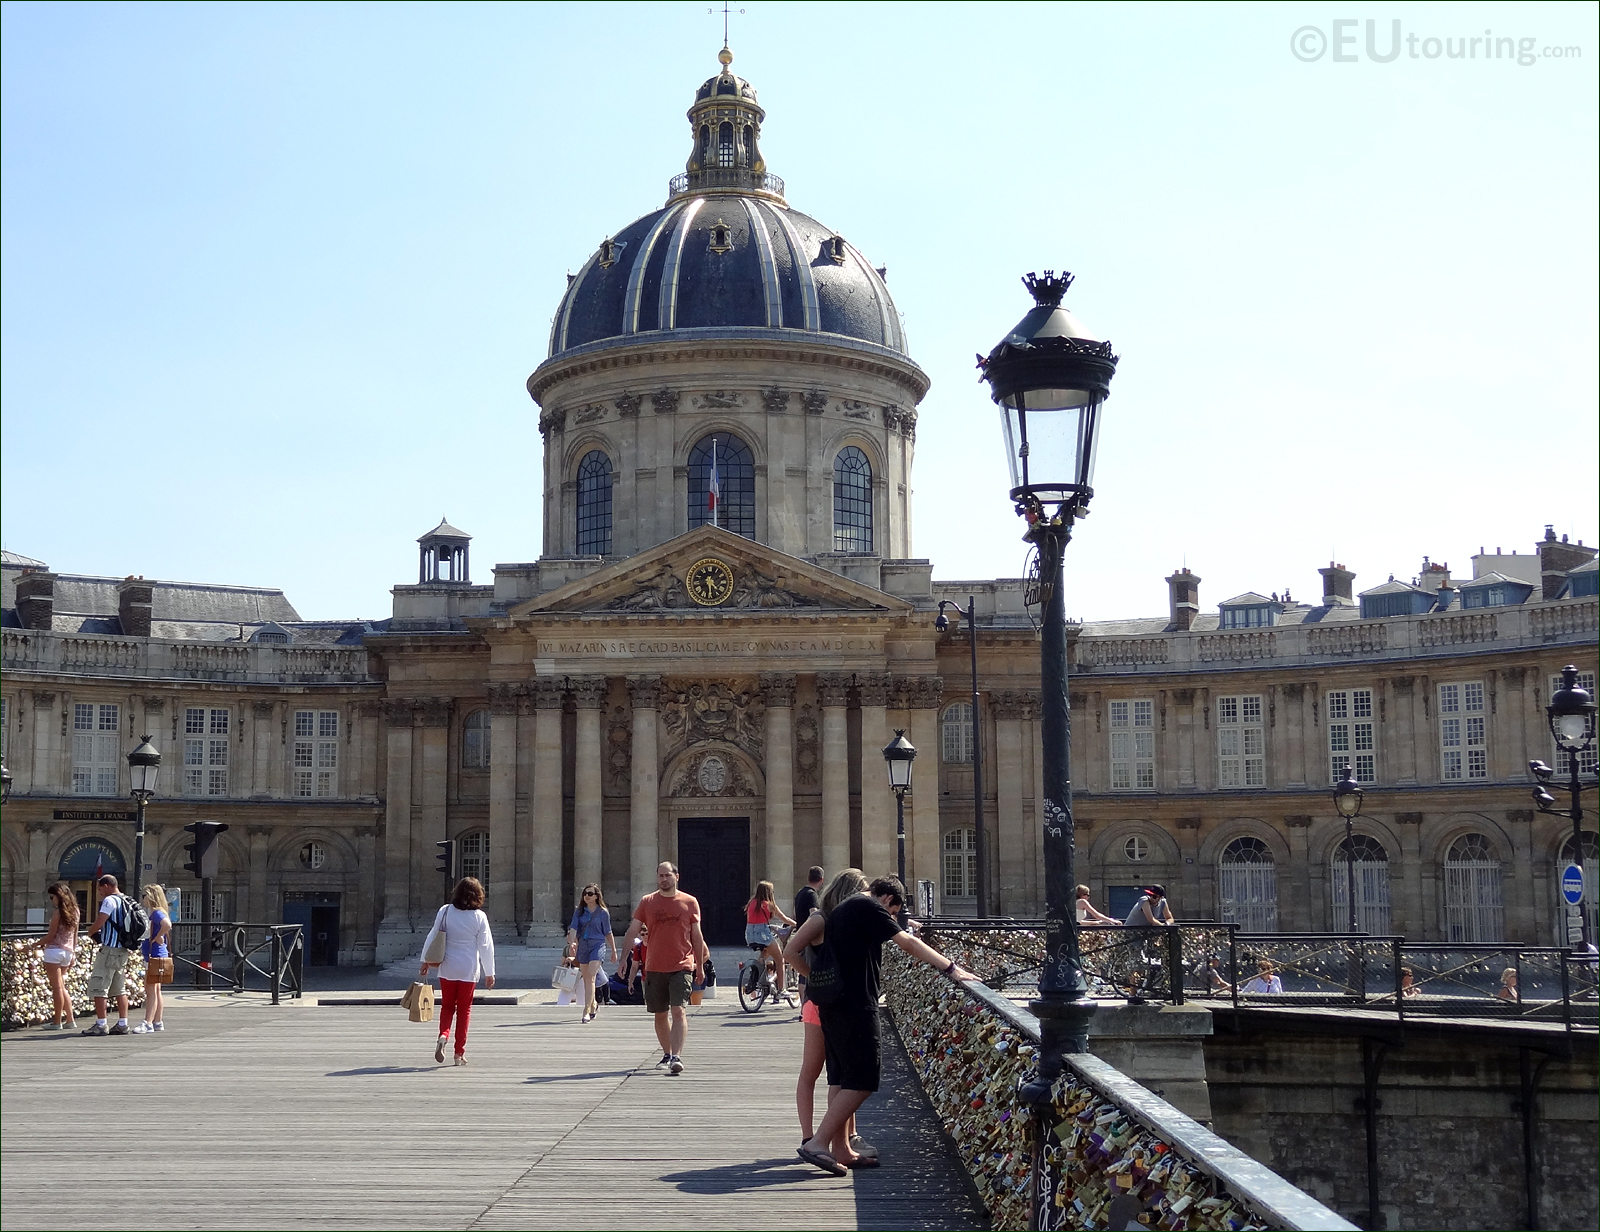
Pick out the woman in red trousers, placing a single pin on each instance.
(468, 950)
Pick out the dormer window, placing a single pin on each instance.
(608, 252)
(1249, 611)
(721, 237)
(835, 249)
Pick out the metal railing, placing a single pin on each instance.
(240, 946)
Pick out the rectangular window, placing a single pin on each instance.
(1463, 751)
(205, 751)
(960, 864)
(315, 754)
(96, 737)
(474, 850)
(1241, 742)
(1350, 735)
(1133, 746)
(1589, 759)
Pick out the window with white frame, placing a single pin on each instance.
(96, 751)
(1247, 886)
(316, 752)
(955, 734)
(961, 863)
(189, 906)
(1371, 882)
(1589, 759)
(205, 751)
(1136, 849)
(1133, 745)
(1473, 908)
(1241, 742)
(1463, 753)
(474, 852)
(1351, 739)
(475, 744)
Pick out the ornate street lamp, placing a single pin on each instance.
(144, 764)
(1571, 713)
(898, 755)
(1347, 799)
(1050, 378)
(980, 840)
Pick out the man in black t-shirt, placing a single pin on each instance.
(809, 897)
(856, 930)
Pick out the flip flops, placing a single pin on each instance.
(823, 1160)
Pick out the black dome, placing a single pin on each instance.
(725, 260)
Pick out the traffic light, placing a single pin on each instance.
(202, 861)
(446, 856)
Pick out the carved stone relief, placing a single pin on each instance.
(627, 405)
(665, 401)
(775, 400)
(619, 752)
(710, 773)
(807, 747)
(719, 400)
(713, 712)
(816, 401)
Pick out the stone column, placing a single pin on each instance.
(394, 932)
(544, 924)
(1186, 736)
(644, 802)
(1522, 919)
(363, 945)
(256, 908)
(1414, 903)
(777, 690)
(1197, 902)
(923, 694)
(49, 770)
(589, 692)
(1009, 854)
(1398, 754)
(833, 693)
(1291, 736)
(262, 730)
(1205, 743)
(39, 873)
(878, 846)
(504, 855)
(430, 819)
(1298, 889)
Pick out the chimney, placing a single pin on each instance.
(1556, 557)
(135, 598)
(36, 599)
(1184, 588)
(1433, 576)
(1338, 586)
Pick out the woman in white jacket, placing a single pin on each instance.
(468, 950)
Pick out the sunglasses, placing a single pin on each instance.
(590, 894)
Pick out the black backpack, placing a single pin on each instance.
(133, 925)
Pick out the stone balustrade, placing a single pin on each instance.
(88, 654)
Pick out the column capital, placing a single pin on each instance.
(43, 699)
(154, 704)
(644, 691)
(262, 710)
(503, 698)
(919, 692)
(548, 693)
(833, 689)
(777, 688)
(1297, 821)
(434, 711)
(399, 711)
(873, 687)
(1015, 703)
(588, 692)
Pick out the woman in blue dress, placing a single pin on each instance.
(588, 935)
(157, 948)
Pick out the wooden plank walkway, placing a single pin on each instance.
(337, 1117)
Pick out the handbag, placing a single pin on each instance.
(158, 971)
(825, 984)
(417, 1000)
(434, 954)
(565, 979)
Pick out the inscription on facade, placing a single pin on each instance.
(632, 647)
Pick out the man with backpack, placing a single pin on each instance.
(117, 930)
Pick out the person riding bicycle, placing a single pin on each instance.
(758, 914)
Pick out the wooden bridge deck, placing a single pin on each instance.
(337, 1117)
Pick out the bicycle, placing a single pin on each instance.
(758, 982)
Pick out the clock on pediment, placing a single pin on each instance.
(709, 581)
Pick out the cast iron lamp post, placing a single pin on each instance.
(1571, 713)
(144, 763)
(980, 842)
(1050, 379)
(1347, 799)
(898, 755)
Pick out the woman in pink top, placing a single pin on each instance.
(60, 947)
(758, 913)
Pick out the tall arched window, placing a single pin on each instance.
(474, 849)
(594, 504)
(1247, 886)
(1372, 885)
(955, 732)
(1567, 917)
(1473, 910)
(852, 501)
(725, 145)
(734, 490)
(961, 863)
(475, 741)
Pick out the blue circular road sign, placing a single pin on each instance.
(1572, 884)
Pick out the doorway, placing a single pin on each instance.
(318, 917)
(714, 866)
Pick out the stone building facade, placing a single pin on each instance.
(725, 627)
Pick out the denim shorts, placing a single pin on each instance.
(758, 934)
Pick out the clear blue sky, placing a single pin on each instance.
(274, 275)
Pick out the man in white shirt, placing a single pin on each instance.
(110, 960)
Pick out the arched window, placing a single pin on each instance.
(1473, 910)
(732, 498)
(475, 741)
(594, 504)
(955, 734)
(1372, 885)
(725, 145)
(1136, 849)
(474, 849)
(1247, 886)
(961, 863)
(852, 501)
(1567, 918)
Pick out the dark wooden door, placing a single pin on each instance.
(714, 866)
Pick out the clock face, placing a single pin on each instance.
(709, 581)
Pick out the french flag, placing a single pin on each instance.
(714, 485)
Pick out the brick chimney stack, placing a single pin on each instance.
(1556, 557)
(1338, 586)
(36, 599)
(135, 600)
(1184, 588)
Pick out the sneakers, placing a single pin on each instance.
(50, 1026)
(121, 1028)
(99, 1028)
(158, 1026)
(438, 1049)
(461, 1058)
(143, 1028)
(666, 1060)
(675, 1066)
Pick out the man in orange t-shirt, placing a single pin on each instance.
(674, 958)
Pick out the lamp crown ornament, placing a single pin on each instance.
(1048, 290)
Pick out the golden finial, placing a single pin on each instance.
(725, 57)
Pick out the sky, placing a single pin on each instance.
(272, 277)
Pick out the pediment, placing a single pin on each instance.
(763, 581)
